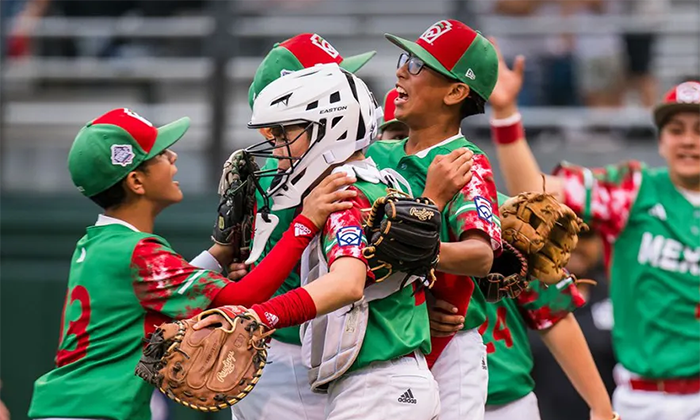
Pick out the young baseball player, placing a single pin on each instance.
(124, 280)
(285, 379)
(368, 354)
(547, 310)
(443, 77)
(391, 128)
(648, 220)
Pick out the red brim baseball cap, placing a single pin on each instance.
(682, 98)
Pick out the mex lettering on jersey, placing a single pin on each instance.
(668, 254)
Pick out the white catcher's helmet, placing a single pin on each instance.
(341, 116)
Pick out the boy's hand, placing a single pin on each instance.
(328, 197)
(447, 175)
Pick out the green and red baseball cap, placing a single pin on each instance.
(389, 109)
(457, 51)
(111, 146)
(682, 98)
(300, 52)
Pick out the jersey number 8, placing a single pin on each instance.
(77, 328)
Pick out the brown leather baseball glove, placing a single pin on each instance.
(207, 369)
(508, 276)
(544, 230)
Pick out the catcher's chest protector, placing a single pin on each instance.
(332, 342)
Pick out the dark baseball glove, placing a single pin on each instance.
(234, 223)
(404, 235)
(508, 276)
(208, 369)
(544, 230)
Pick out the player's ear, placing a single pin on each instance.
(134, 182)
(267, 133)
(457, 93)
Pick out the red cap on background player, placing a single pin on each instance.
(682, 98)
(389, 109)
(300, 52)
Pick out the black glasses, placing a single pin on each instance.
(415, 64)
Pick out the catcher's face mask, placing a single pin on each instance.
(289, 145)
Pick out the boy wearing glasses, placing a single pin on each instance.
(444, 77)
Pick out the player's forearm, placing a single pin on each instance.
(518, 165)
(466, 258)
(343, 285)
(264, 280)
(567, 344)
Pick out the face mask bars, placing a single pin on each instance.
(265, 149)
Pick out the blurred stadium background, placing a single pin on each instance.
(67, 61)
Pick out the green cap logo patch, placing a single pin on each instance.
(122, 154)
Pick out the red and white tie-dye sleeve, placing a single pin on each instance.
(604, 196)
(165, 282)
(343, 235)
(476, 205)
(542, 306)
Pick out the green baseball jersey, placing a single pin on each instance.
(650, 230)
(288, 335)
(474, 207)
(397, 324)
(122, 283)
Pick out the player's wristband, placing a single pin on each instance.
(616, 416)
(508, 130)
(306, 222)
(292, 308)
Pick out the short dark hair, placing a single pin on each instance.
(115, 195)
(473, 105)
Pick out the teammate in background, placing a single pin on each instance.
(444, 77)
(375, 370)
(124, 280)
(391, 128)
(547, 310)
(648, 220)
(285, 379)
